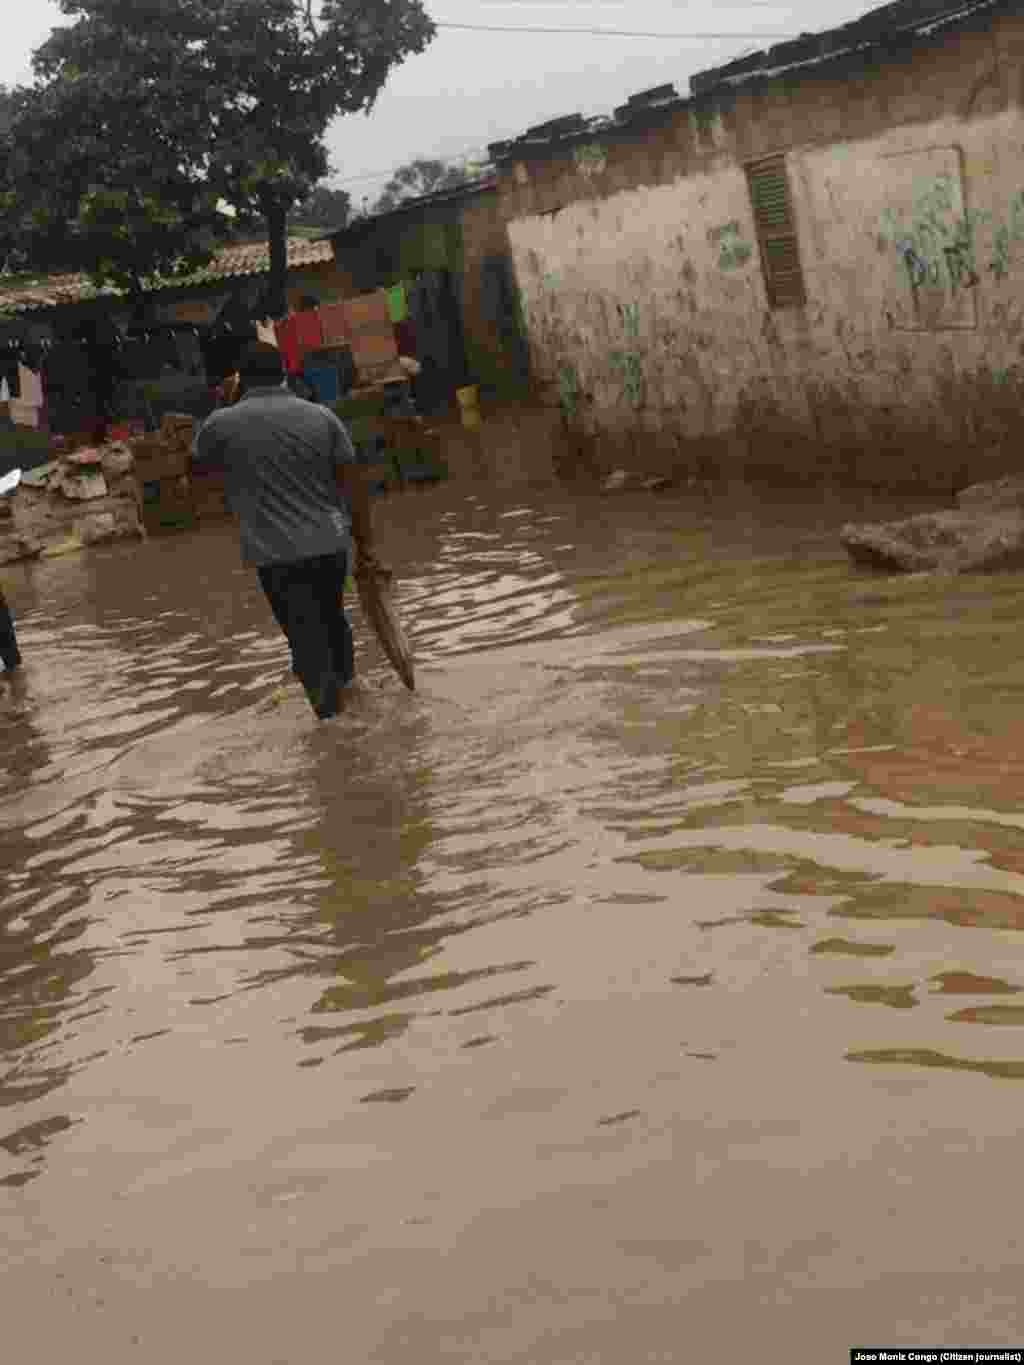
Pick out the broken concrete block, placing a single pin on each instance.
(96, 528)
(983, 534)
(89, 483)
(117, 460)
(18, 547)
(67, 546)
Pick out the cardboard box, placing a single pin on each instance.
(176, 426)
(156, 459)
(165, 504)
(208, 494)
(371, 333)
(161, 464)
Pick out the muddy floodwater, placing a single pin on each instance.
(650, 982)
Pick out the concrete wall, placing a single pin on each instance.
(648, 316)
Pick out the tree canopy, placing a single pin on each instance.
(79, 196)
(8, 105)
(147, 115)
(425, 175)
(324, 208)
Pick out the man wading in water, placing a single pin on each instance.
(292, 480)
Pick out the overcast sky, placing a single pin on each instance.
(471, 88)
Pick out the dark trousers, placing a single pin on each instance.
(8, 643)
(305, 597)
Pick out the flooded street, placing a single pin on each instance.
(650, 979)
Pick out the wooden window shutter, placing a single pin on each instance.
(776, 232)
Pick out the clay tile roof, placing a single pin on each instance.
(253, 258)
(24, 293)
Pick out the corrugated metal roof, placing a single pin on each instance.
(244, 258)
(357, 225)
(887, 27)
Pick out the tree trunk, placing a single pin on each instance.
(277, 234)
(138, 298)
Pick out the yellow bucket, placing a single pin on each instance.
(469, 399)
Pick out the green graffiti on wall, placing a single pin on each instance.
(704, 120)
(631, 368)
(936, 242)
(522, 311)
(628, 361)
(1006, 233)
(568, 388)
(733, 251)
(591, 159)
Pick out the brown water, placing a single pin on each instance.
(651, 980)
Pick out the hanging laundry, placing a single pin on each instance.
(288, 344)
(397, 305)
(334, 323)
(30, 386)
(67, 369)
(9, 370)
(432, 310)
(190, 355)
(405, 336)
(308, 332)
(323, 380)
(134, 360)
(165, 346)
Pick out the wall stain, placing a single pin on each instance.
(591, 159)
(936, 244)
(1006, 233)
(733, 251)
(628, 360)
(568, 388)
(987, 80)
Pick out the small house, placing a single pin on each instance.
(811, 266)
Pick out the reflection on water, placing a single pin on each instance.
(281, 1001)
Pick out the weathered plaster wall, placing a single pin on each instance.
(648, 317)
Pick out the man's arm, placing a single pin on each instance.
(205, 445)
